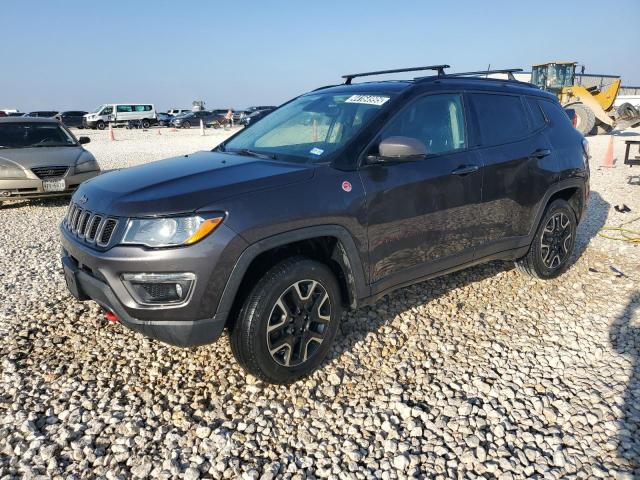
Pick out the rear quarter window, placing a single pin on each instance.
(558, 118)
(537, 117)
(501, 118)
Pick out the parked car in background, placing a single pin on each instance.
(121, 114)
(254, 116)
(41, 157)
(192, 119)
(3, 114)
(164, 119)
(178, 111)
(42, 114)
(330, 202)
(72, 118)
(238, 115)
(14, 114)
(255, 109)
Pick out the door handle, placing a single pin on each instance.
(465, 169)
(541, 153)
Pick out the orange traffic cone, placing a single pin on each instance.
(608, 157)
(111, 137)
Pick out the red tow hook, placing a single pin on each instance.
(112, 317)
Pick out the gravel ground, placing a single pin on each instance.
(479, 374)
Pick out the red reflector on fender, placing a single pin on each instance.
(112, 317)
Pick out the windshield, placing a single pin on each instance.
(98, 109)
(309, 128)
(25, 135)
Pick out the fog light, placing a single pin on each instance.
(159, 288)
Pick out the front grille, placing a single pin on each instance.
(107, 231)
(88, 226)
(50, 172)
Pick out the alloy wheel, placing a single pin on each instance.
(298, 323)
(556, 240)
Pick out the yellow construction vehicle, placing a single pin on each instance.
(593, 106)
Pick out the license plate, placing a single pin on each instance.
(71, 278)
(54, 185)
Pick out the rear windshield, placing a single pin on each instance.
(25, 135)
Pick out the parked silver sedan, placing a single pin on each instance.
(40, 157)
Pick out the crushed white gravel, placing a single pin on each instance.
(479, 374)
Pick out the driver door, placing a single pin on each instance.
(422, 215)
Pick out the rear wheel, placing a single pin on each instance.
(145, 123)
(288, 322)
(552, 244)
(585, 119)
(186, 125)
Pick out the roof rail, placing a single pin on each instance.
(351, 76)
(508, 71)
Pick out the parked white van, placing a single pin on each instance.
(120, 114)
(178, 111)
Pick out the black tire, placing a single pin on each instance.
(540, 261)
(145, 123)
(278, 356)
(586, 120)
(186, 124)
(101, 125)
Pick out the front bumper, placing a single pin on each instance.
(97, 275)
(32, 187)
(181, 333)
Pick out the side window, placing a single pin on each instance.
(501, 118)
(537, 117)
(435, 120)
(107, 111)
(557, 116)
(147, 108)
(124, 108)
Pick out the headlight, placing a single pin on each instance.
(170, 231)
(9, 171)
(88, 165)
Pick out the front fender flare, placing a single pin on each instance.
(347, 254)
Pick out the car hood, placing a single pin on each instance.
(41, 157)
(183, 184)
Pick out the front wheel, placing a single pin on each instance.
(101, 125)
(552, 244)
(288, 322)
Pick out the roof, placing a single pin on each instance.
(437, 83)
(28, 120)
(557, 62)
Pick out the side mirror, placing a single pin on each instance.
(399, 149)
(83, 140)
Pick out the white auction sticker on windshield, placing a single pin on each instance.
(367, 99)
(316, 151)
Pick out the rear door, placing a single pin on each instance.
(516, 168)
(422, 214)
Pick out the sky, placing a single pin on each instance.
(71, 54)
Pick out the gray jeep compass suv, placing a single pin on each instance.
(336, 198)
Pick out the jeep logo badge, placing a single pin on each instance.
(83, 199)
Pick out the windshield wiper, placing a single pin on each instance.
(252, 153)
